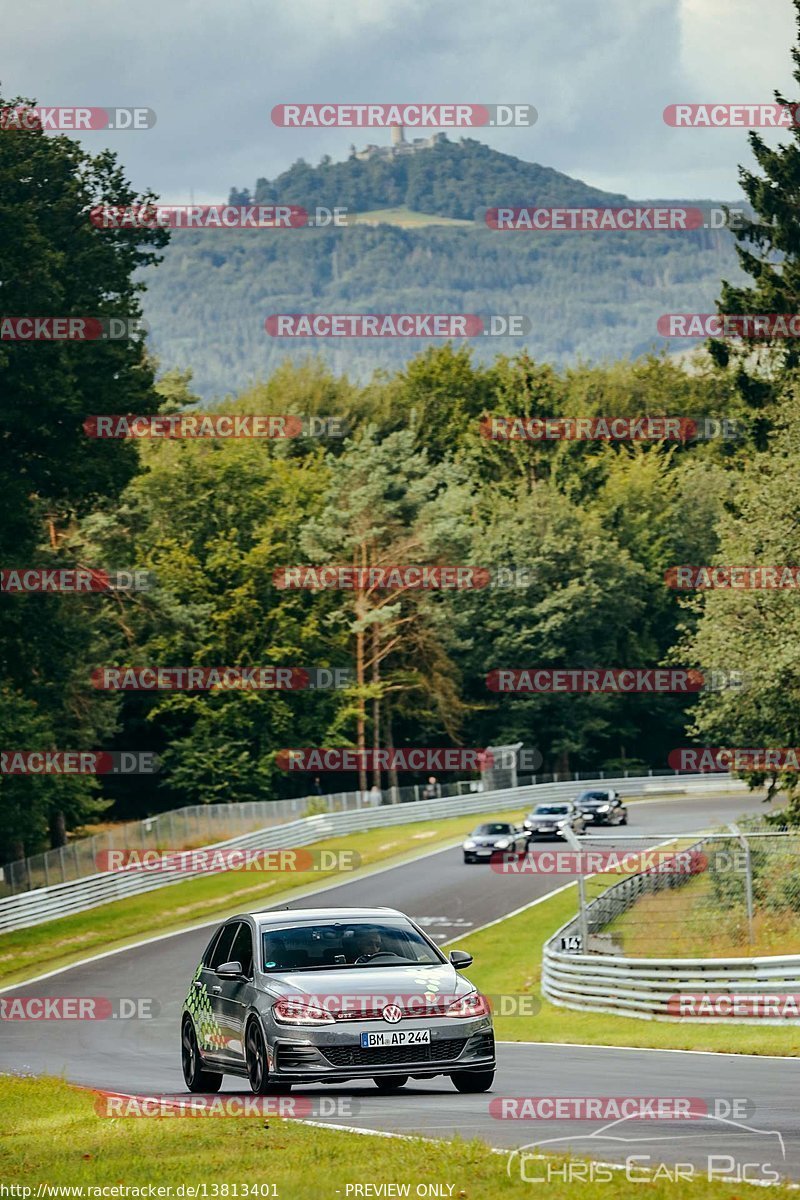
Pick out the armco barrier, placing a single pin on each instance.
(63, 899)
(650, 988)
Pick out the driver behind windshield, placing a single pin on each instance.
(367, 942)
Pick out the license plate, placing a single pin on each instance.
(547, 829)
(396, 1037)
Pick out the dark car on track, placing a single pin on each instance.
(326, 995)
(602, 806)
(550, 819)
(493, 839)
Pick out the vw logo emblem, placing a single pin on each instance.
(392, 1014)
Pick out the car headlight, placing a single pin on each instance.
(472, 1005)
(289, 1011)
(468, 845)
(503, 844)
(603, 807)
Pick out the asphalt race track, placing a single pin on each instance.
(448, 899)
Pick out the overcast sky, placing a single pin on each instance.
(599, 72)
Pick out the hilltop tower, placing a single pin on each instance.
(398, 136)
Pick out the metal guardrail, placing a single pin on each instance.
(64, 899)
(652, 988)
(202, 824)
(194, 825)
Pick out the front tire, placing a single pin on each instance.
(473, 1081)
(390, 1083)
(196, 1078)
(255, 1054)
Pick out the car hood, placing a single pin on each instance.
(489, 839)
(379, 982)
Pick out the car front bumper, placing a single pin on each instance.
(336, 1055)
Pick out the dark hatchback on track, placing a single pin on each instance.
(602, 806)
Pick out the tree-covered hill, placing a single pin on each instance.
(595, 296)
(451, 179)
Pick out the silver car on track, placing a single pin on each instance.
(329, 995)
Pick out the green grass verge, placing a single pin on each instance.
(684, 922)
(50, 1134)
(28, 952)
(508, 960)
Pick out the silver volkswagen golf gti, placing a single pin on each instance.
(329, 995)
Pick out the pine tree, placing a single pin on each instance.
(769, 252)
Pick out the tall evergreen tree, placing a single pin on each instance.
(769, 251)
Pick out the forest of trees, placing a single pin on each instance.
(588, 296)
(594, 525)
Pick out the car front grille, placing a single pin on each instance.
(385, 1056)
(431, 1008)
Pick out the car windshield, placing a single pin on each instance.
(489, 830)
(333, 945)
(594, 798)
(550, 810)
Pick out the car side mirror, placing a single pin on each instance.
(229, 970)
(460, 959)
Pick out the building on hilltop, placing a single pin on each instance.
(399, 146)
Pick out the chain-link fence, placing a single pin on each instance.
(192, 827)
(732, 892)
(204, 824)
